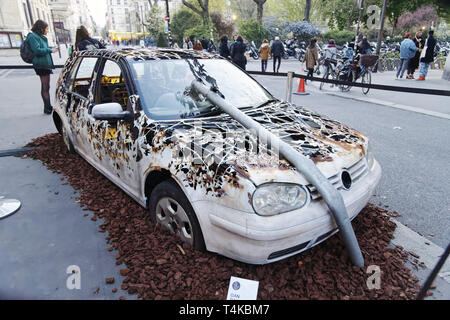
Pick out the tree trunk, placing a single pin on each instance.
(307, 10)
(260, 9)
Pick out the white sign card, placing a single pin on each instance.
(242, 289)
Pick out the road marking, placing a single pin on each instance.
(5, 74)
(428, 252)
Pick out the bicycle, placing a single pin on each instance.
(360, 67)
(331, 69)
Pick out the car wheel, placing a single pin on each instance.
(66, 140)
(170, 208)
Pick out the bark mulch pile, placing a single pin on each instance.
(159, 266)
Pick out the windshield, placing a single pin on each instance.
(165, 88)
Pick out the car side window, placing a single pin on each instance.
(71, 77)
(112, 85)
(83, 77)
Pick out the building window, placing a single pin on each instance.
(26, 15)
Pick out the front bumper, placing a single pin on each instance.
(256, 239)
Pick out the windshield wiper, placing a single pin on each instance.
(267, 102)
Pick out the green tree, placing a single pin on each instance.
(181, 21)
(154, 23)
(200, 7)
(252, 30)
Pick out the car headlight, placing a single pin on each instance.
(274, 198)
(369, 155)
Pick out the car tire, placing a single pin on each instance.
(67, 140)
(169, 207)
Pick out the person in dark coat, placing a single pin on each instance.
(414, 62)
(427, 55)
(277, 49)
(83, 41)
(42, 61)
(224, 51)
(238, 53)
(364, 47)
(204, 43)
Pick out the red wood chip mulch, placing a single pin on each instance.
(159, 266)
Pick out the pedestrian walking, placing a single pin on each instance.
(42, 61)
(264, 52)
(407, 51)
(237, 53)
(277, 49)
(414, 61)
(224, 50)
(311, 57)
(187, 44)
(83, 40)
(427, 55)
(198, 46)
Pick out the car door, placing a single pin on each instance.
(80, 101)
(113, 143)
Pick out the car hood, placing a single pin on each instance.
(220, 142)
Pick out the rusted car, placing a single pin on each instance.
(134, 115)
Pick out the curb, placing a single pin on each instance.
(14, 152)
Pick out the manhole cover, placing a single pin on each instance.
(8, 207)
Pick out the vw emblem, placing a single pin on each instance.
(346, 179)
(236, 285)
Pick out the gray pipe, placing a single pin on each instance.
(304, 165)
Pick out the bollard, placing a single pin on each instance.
(304, 165)
(290, 79)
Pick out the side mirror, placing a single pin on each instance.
(110, 111)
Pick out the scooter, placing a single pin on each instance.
(254, 53)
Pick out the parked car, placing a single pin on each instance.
(134, 115)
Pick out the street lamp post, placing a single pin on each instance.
(361, 8)
(169, 37)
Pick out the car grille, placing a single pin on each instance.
(357, 171)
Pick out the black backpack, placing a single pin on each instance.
(26, 53)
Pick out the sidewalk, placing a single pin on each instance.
(430, 103)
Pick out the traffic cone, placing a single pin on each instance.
(301, 88)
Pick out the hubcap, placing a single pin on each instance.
(171, 215)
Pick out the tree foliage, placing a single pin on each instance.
(200, 7)
(302, 30)
(415, 20)
(181, 21)
(221, 24)
(154, 22)
(252, 30)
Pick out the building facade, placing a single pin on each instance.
(125, 19)
(16, 20)
(68, 15)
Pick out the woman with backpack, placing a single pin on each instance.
(83, 40)
(42, 61)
